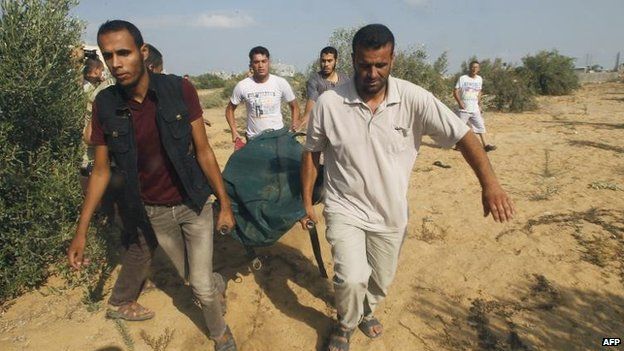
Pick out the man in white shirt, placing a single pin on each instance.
(467, 93)
(263, 94)
(370, 131)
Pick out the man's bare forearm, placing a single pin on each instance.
(473, 153)
(294, 112)
(230, 118)
(456, 96)
(98, 181)
(306, 113)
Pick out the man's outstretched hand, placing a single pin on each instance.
(498, 203)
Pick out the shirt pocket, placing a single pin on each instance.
(116, 132)
(400, 138)
(178, 124)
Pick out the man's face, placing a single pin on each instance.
(372, 68)
(259, 66)
(328, 64)
(95, 75)
(474, 69)
(123, 58)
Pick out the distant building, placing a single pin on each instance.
(284, 70)
(223, 74)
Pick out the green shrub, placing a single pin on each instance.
(551, 73)
(41, 111)
(412, 65)
(229, 85)
(505, 88)
(212, 100)
(208, 81)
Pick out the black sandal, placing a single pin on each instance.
(337, 336)
(367, 325)
(489, 147)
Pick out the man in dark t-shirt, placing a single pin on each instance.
(325, 79)
(151, 125)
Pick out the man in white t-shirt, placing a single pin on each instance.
(263, 94)
(467, 93)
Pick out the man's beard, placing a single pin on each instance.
(134, 83)
(325, 75)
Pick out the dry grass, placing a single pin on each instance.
(159, 343)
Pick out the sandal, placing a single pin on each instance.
(367, 325)
(489, 147)
(440, 164)
(229, 344)
(130, 312)
(339, 339)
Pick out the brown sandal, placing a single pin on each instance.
(130, 312)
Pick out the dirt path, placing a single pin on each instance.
(550, 280)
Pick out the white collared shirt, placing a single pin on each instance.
(369, 157)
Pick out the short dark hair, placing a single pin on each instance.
(259, 50)
(373, 36)
(472, 63)
(154, 57)
(117, 25)
(330, 50)
(90, 64)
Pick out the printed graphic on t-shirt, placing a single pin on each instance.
(264, 103)
(469, 91)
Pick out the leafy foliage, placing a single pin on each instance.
(41, 111)
(230, 84)
(412, 65)
(505, 87)
(208, 81)
(551, 73)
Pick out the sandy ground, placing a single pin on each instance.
(550, 280)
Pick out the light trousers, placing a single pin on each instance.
(187, 239)
(365, 263)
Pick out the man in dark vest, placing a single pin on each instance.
(152, 126)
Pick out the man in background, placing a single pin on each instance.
(154, 60)
(467, 93)
(94, 81)
(262, 93)
(326, 79)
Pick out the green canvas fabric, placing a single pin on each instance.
(262, 180)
